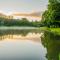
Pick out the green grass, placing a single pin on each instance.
(43, 28)
(55, 30)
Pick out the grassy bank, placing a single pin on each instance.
(55, 30)
(43, 28)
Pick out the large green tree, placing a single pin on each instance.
(51, 16)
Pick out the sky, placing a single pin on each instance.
(23, 5)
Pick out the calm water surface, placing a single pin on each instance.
(22, 45)
(29, 44)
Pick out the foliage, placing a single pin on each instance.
(18, 22)
(51, 17)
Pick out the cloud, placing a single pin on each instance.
(34, 14)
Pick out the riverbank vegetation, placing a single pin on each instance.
(55, 30)
(51, 38)
(51, 17)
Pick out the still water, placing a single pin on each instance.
(22, 45)
(29, 44)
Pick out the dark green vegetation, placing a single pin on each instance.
(18, 22)
(51, 17)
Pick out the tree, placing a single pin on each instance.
(51, 16)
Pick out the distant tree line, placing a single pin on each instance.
(19, 22)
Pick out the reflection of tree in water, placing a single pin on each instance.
(52, 42)
(10, 33)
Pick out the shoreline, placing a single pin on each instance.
(17, 27)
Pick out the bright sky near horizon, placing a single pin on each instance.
(22, 5)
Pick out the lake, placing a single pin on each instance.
(28, 44)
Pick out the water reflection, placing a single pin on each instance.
(52, 42)
(21, 45)
(20, 35)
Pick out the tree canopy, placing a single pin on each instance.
(51, 16)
